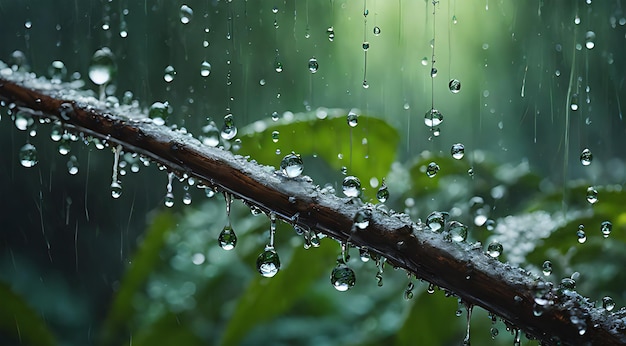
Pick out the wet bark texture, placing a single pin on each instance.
(463, 269)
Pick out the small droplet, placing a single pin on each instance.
(268, 263)
(211, 135)
(169, 200)
(547, 268)
(353, 120)
(102, 67)
(187, 198)
(362, 218)
(331, 33)
(574, 102)
(581, 234)
(606, 228)
(159, 111)
(376, 30)
(275, 116)
(313, 65)
(186, 14)
(227, 238)
(457, 231)
(205, 69)
(364, 255)
(436, 221)
(366, 45)
(28, 155)
(424, 61)
(608, 303)
(351, 186)
(116, 189)
(275, 136)
(275, 10)
(408, 292)
(278, 66)
(433, 72)
(590, 37)
(454, 19)
(169, 73)
(383, 193)
(229, 130)
(72, 165)
(454, 85)
(567, 284)
(342, 278)
(433, 118)
(494, 249)
(365, 85)
(432, 169)
(493, 332)
(57, 71)
(586, 157)
(292, 165)
(592, 195)
(457, 151)
(431, 288)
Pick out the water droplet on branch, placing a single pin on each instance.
(351, 186)
(292, 165)
(268, 263)
(227, 238)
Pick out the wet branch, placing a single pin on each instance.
(566, 317)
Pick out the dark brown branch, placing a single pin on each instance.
(460, 268)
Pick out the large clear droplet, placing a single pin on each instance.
(353, 120)
(362, 218)
(580, 234)
(116, 189)
(28, 155)
(433, 118)
(186, 14)
(436, 221)
(102, 67)
(342, 278)
(432, 169)
(606, 228)
(383, 193)
(268, 263)
(494, 249)
(205, 69)
(351, 186)
(454, 85)
(229, 130)
(227, 238)
(292, 165)
(313, 65)
(458, 231)
(457, 151)
(586, 157)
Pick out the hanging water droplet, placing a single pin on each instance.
(592, 195)
(72, 165)
(408, 292)
(227, 238)
(454, 19)
(23, 121)
(313, 65)
(366, 45)
(351, 186)
(586, 157)
(493, 332)
(547, 268)
(353, 120)
(383, 193)
(342, 277)
(364, 255)
(433, 118)
(457, 231)
(606, 228)
(64, 146)
(365, 84)
(608, 303)
(116, 189)
(187, 198)
(205, 69)
(229, 130)
(169, 200)
(494, 249)
(436, 221)
(424, 61)
(275, 116)
(268, 263)
(432, 169)
(590, 37)
(581, 234)
(186, 14)
(28, 155)
(433, 72)
(102, 68)
(362, 218)
(454, 85)
(278, 66)
(457, 151)
(431, 288)
(159, 111)
(376, 30)
(331, 33)
(292, 165)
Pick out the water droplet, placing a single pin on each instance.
(436, 221)
(275, 116)
(547, 268)
(342, 277)
(28, 155)
(278, 66)
(362, 218)
(353, 120)
(169, 200)
(313, 65)
(592, 195)
(433, 72)
(581, 234)
(408, 292)
(493, 332)
(275, 136)
(433, 118)
(211, 135)
(376, 30)
(229, 130)
(72, 165)
(574, 102)
(365, 85)
(606, 228)
(590, 37)
(205, 69)
(186, 14)
(116, 189)
(454, 19)
(608, 303)
(23, 121)
(457, 151)
(187, 198)
(268, 263)
(292, 165)
(432, 169)
(567, 284)
(57, 71)
(364, 255)
(457, 231)
(351, 186)
(275, 10)
(366, 45)
(586, 157)
(169, 73)
(494, 249)
(331, 33)
(424, 61)
(431, 288)
(227, 238)
(64, 146)
(383, 193)
(102, 67)
(454, 85)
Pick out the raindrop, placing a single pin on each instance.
(567, 284)
(102, 67)
(229, 130)
(581, 234)
(454, 85)
(169, 195)
(268, 263)
(205, 69)
(454, 19)
(187, 198)
(608, 303)
(313, 65)
(364, 255)
(493, 332)
(331, 33)
(292, 165)
(275, 136)
(457, 151)
(376, 30)
(275, 116)
(574, 102)
(169, 73)
(227, 238)
(424, 61)
(547, 268)
(586, 157)
(351, 186)
(23, 121)
(353, 119)
(116, 189)
(436, 221)
(432, 169)
(383, 193)
(72, 165)
(457, 231)
(433, 72)
(592, 195)
(365, 84)
(64, 146)
(606, 228)
(278, 66)
(28, 155)
(186, 14)
(366, 45)
(433, 118)
(494, 249)
(362, 218)
(408, 292)
(56, 133)
(342, 277)
(211, 135)
(159, 111)
(590, 37)
(431, 288)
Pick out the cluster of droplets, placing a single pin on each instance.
(454, 231)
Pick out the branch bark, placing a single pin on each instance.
(476, 278)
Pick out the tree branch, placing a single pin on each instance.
(476, 278)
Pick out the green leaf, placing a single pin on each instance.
(373, 143)
(266, 298)
(19, 321)
(142, 265)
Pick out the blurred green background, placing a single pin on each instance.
(78, 268)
